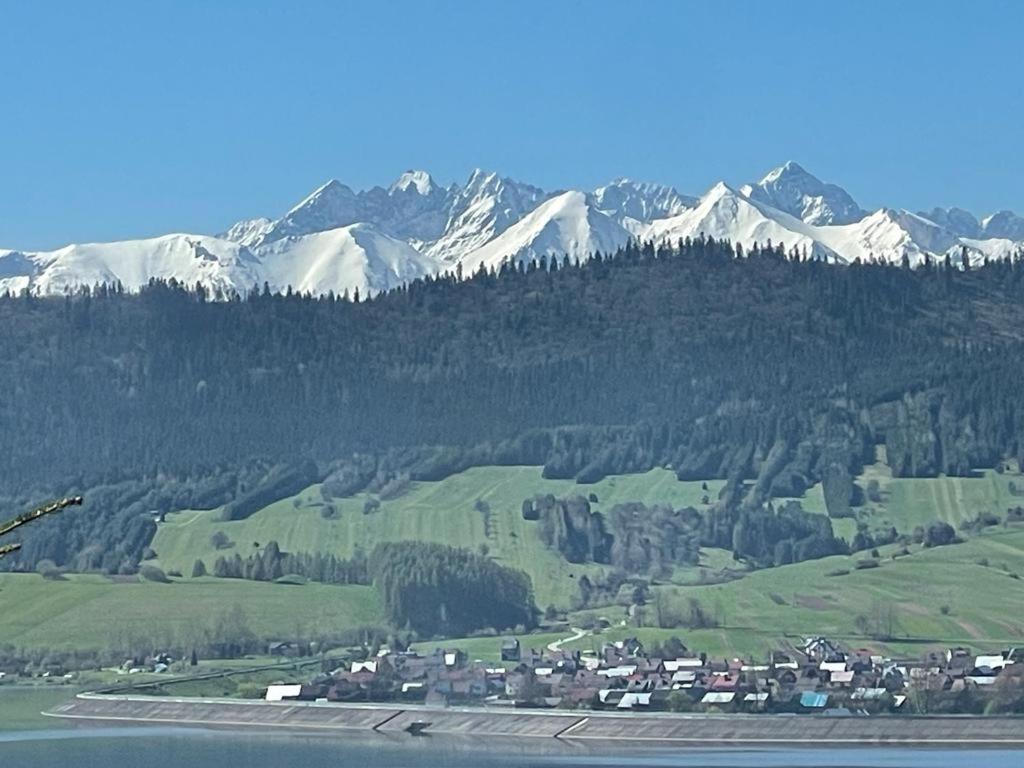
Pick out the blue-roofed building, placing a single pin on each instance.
(813, 699)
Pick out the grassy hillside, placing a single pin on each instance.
(966, 593)
(907, 502)
(445, 511)
(430, 511)
(778, 607)
(93, 612)
(962, 593)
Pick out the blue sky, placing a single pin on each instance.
(131, 119)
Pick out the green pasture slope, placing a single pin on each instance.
(963, 593)
(94, 612)
(443, 511)
(776, 608)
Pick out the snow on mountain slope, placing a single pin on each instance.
(480, 211)
(187, 258)
(726, 213)
(337, 239)
(16, 271)
(413, 208)
(795, 191)
(993, 249)
(566, 225)
(418, 181)
(329, 206)
(633, 203)
(887, 235)
(344, 259)
(247, 231)
(1004, 225)
(956, 220)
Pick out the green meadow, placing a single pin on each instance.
(96, 612)
(967, 593)
(444, 511)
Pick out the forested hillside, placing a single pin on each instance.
(758, 366)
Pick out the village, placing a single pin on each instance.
(819, 677)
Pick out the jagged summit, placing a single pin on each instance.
(792, 189)
(418, 181)
(337, 239)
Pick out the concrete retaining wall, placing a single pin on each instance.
(569, 726)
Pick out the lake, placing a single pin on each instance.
(100, 747)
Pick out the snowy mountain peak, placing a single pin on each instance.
(956, 220)
(1005, 225)
(791, 169)
(329, 191)
(419, 181)
(336, 239)
(718, 191)
(565, 225)
(485, 207)
(248, 231)
(631, 203)
(792, 189)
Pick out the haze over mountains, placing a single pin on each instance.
(341, 240)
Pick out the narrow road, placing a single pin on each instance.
(578, 634)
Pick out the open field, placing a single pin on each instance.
(21, 706)
(441, 511)
(907, 502)
(93, 612)
(938, 596)
(765, 609)
(769, 608)
(776, 608)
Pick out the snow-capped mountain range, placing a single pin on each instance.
(339, 240)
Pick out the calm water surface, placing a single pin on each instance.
(183, 748)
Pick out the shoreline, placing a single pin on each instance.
(563, 726)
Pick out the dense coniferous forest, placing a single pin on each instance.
(433, 589)
(756, 366)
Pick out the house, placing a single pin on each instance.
(634, 701)
(718, 697)
(841, 679)
(510, 649)
(674, 665)
(283, 692)
(454, 658)
(959, 660)
(610, 696)
(281, 648)
(781, 660)
(868, 694)
(624, 670)
(992, 662)
(726, 682)
(813, 699)
(822, 649)
(684, 678)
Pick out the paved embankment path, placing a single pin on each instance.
(575, 726)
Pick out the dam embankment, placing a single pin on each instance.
(518, 723)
